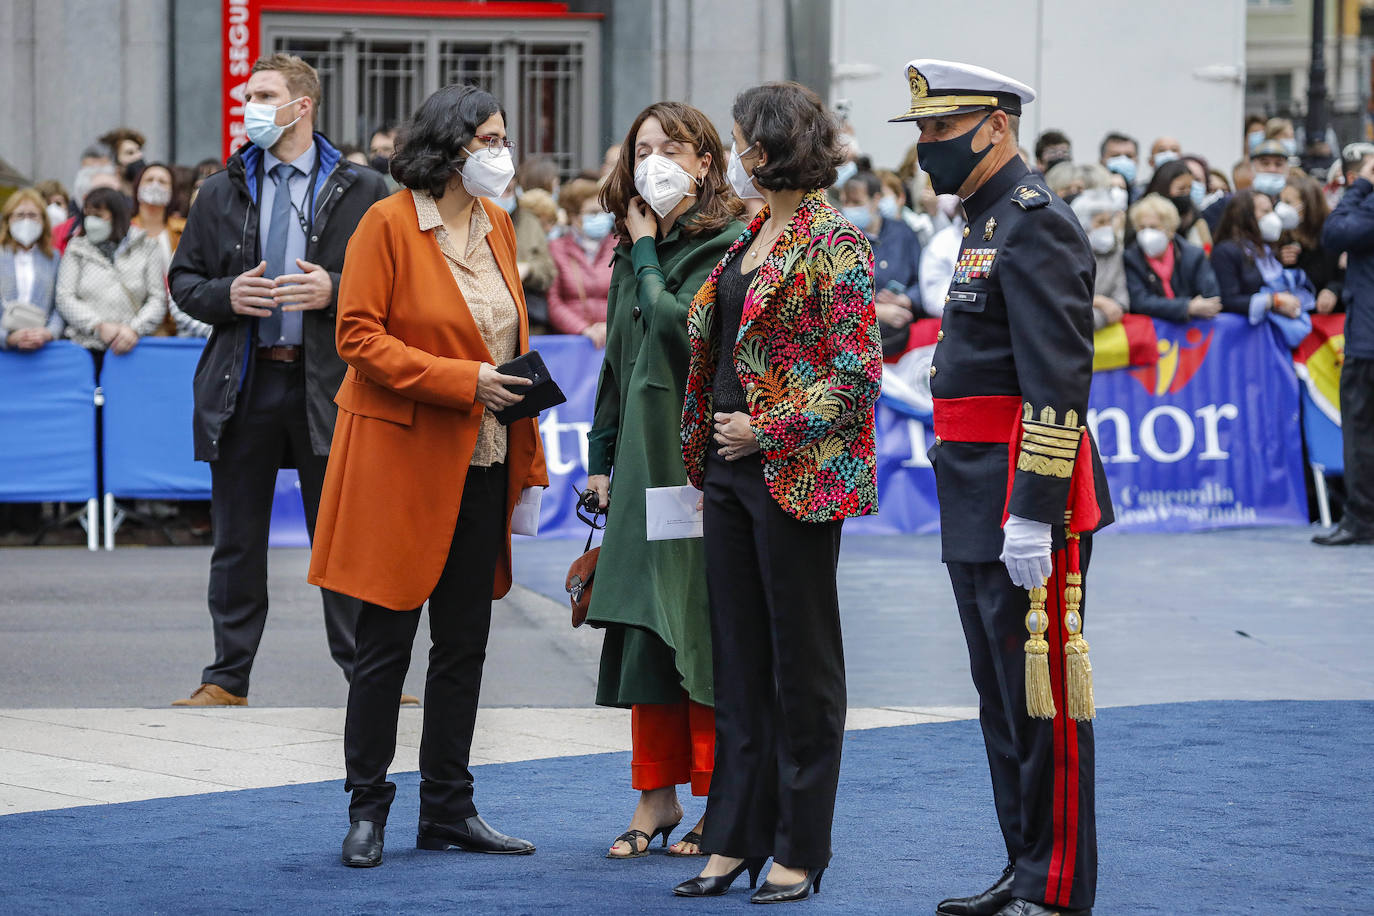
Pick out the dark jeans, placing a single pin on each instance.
(268, 426)
(459, 622)
(1042, 769)
(779, 671)
(1357, 439)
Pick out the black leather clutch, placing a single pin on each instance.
(542, 392)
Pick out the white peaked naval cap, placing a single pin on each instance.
(942, 87)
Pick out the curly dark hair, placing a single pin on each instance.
(716, 207)
(429, 146)
(800, 137)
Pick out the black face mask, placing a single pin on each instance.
(950, 162)
(1183, 204)
(381, 164)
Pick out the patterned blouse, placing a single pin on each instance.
(488, 299)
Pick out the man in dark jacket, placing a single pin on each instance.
(1350, 228)
(260, 260)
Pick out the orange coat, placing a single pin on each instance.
(408, 417)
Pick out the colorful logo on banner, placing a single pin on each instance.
(1178, 362)
(241, 37)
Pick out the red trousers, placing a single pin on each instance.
(673, 743)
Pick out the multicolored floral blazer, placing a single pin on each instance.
(810, 359)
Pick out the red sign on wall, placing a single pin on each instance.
(240, 40)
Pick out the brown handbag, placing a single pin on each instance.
(583, 569)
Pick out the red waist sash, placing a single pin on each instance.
(991, 418)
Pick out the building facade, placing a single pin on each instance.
(571, 75)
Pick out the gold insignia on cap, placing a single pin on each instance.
(989, 228)
(920, 87)
(924, 105)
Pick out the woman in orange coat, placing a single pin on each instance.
(422, 478)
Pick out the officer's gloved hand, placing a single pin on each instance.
(1026, 551)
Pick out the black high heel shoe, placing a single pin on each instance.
(786, 893)
(716, 885)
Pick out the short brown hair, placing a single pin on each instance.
(18, 197)
(300, 77)
(51, 187)
(800, 136)
(118, 135)
(573, 195)
(717, 206)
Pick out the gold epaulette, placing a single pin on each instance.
(1047, 448)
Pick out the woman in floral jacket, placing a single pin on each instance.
(777, 429)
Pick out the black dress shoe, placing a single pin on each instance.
(362, 848)
(715, 885)
(1341, 536)
(985, 904)
(1030, 908)
(786, 893)
(471, 835)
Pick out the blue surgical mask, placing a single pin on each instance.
(887, 207)
(597, 225)
(1269, 183)
(260, 123)
(861, 217)
(1123, 166)
(1290, 146)
(1254, 139)
(1165, 155)
(844, 173)
(1198, 192)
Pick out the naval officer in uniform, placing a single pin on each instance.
(1020, 485)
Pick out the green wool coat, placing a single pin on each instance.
(650, 596)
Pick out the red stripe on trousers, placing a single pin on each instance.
(1065, 813)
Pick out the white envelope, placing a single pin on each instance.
(525, 518)
(671, 512)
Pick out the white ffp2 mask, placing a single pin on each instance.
(662, 183)
(488, 172)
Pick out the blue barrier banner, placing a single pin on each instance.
(147, 421)
(47, 424)
(1209, 436)
(575, 364)
(1206, 438)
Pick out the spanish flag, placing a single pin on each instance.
(1318, 363)
(1131, 342)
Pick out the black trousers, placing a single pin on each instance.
(269, 425)
(459, 622)
(1042, 769)
(779, 671)
(1357, 440)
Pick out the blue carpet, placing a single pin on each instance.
(1203, 808)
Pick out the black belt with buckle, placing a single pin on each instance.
(280, 354)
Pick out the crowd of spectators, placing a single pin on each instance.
(1174, 237)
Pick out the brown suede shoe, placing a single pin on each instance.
(408, 700)
(211, 695)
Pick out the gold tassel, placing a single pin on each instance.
(1039, 696)
(1078, 670)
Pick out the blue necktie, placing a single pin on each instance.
(269, 329)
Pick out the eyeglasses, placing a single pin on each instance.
(494, 142)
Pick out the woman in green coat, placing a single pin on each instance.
(676, 217)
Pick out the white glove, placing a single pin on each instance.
(1026, 551)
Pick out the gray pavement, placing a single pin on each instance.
(1246, 614)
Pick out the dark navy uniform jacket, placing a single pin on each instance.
(1018, 321)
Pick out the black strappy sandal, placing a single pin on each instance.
(632, 837)
(692, 837)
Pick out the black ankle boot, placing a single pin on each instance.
(362, 847)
